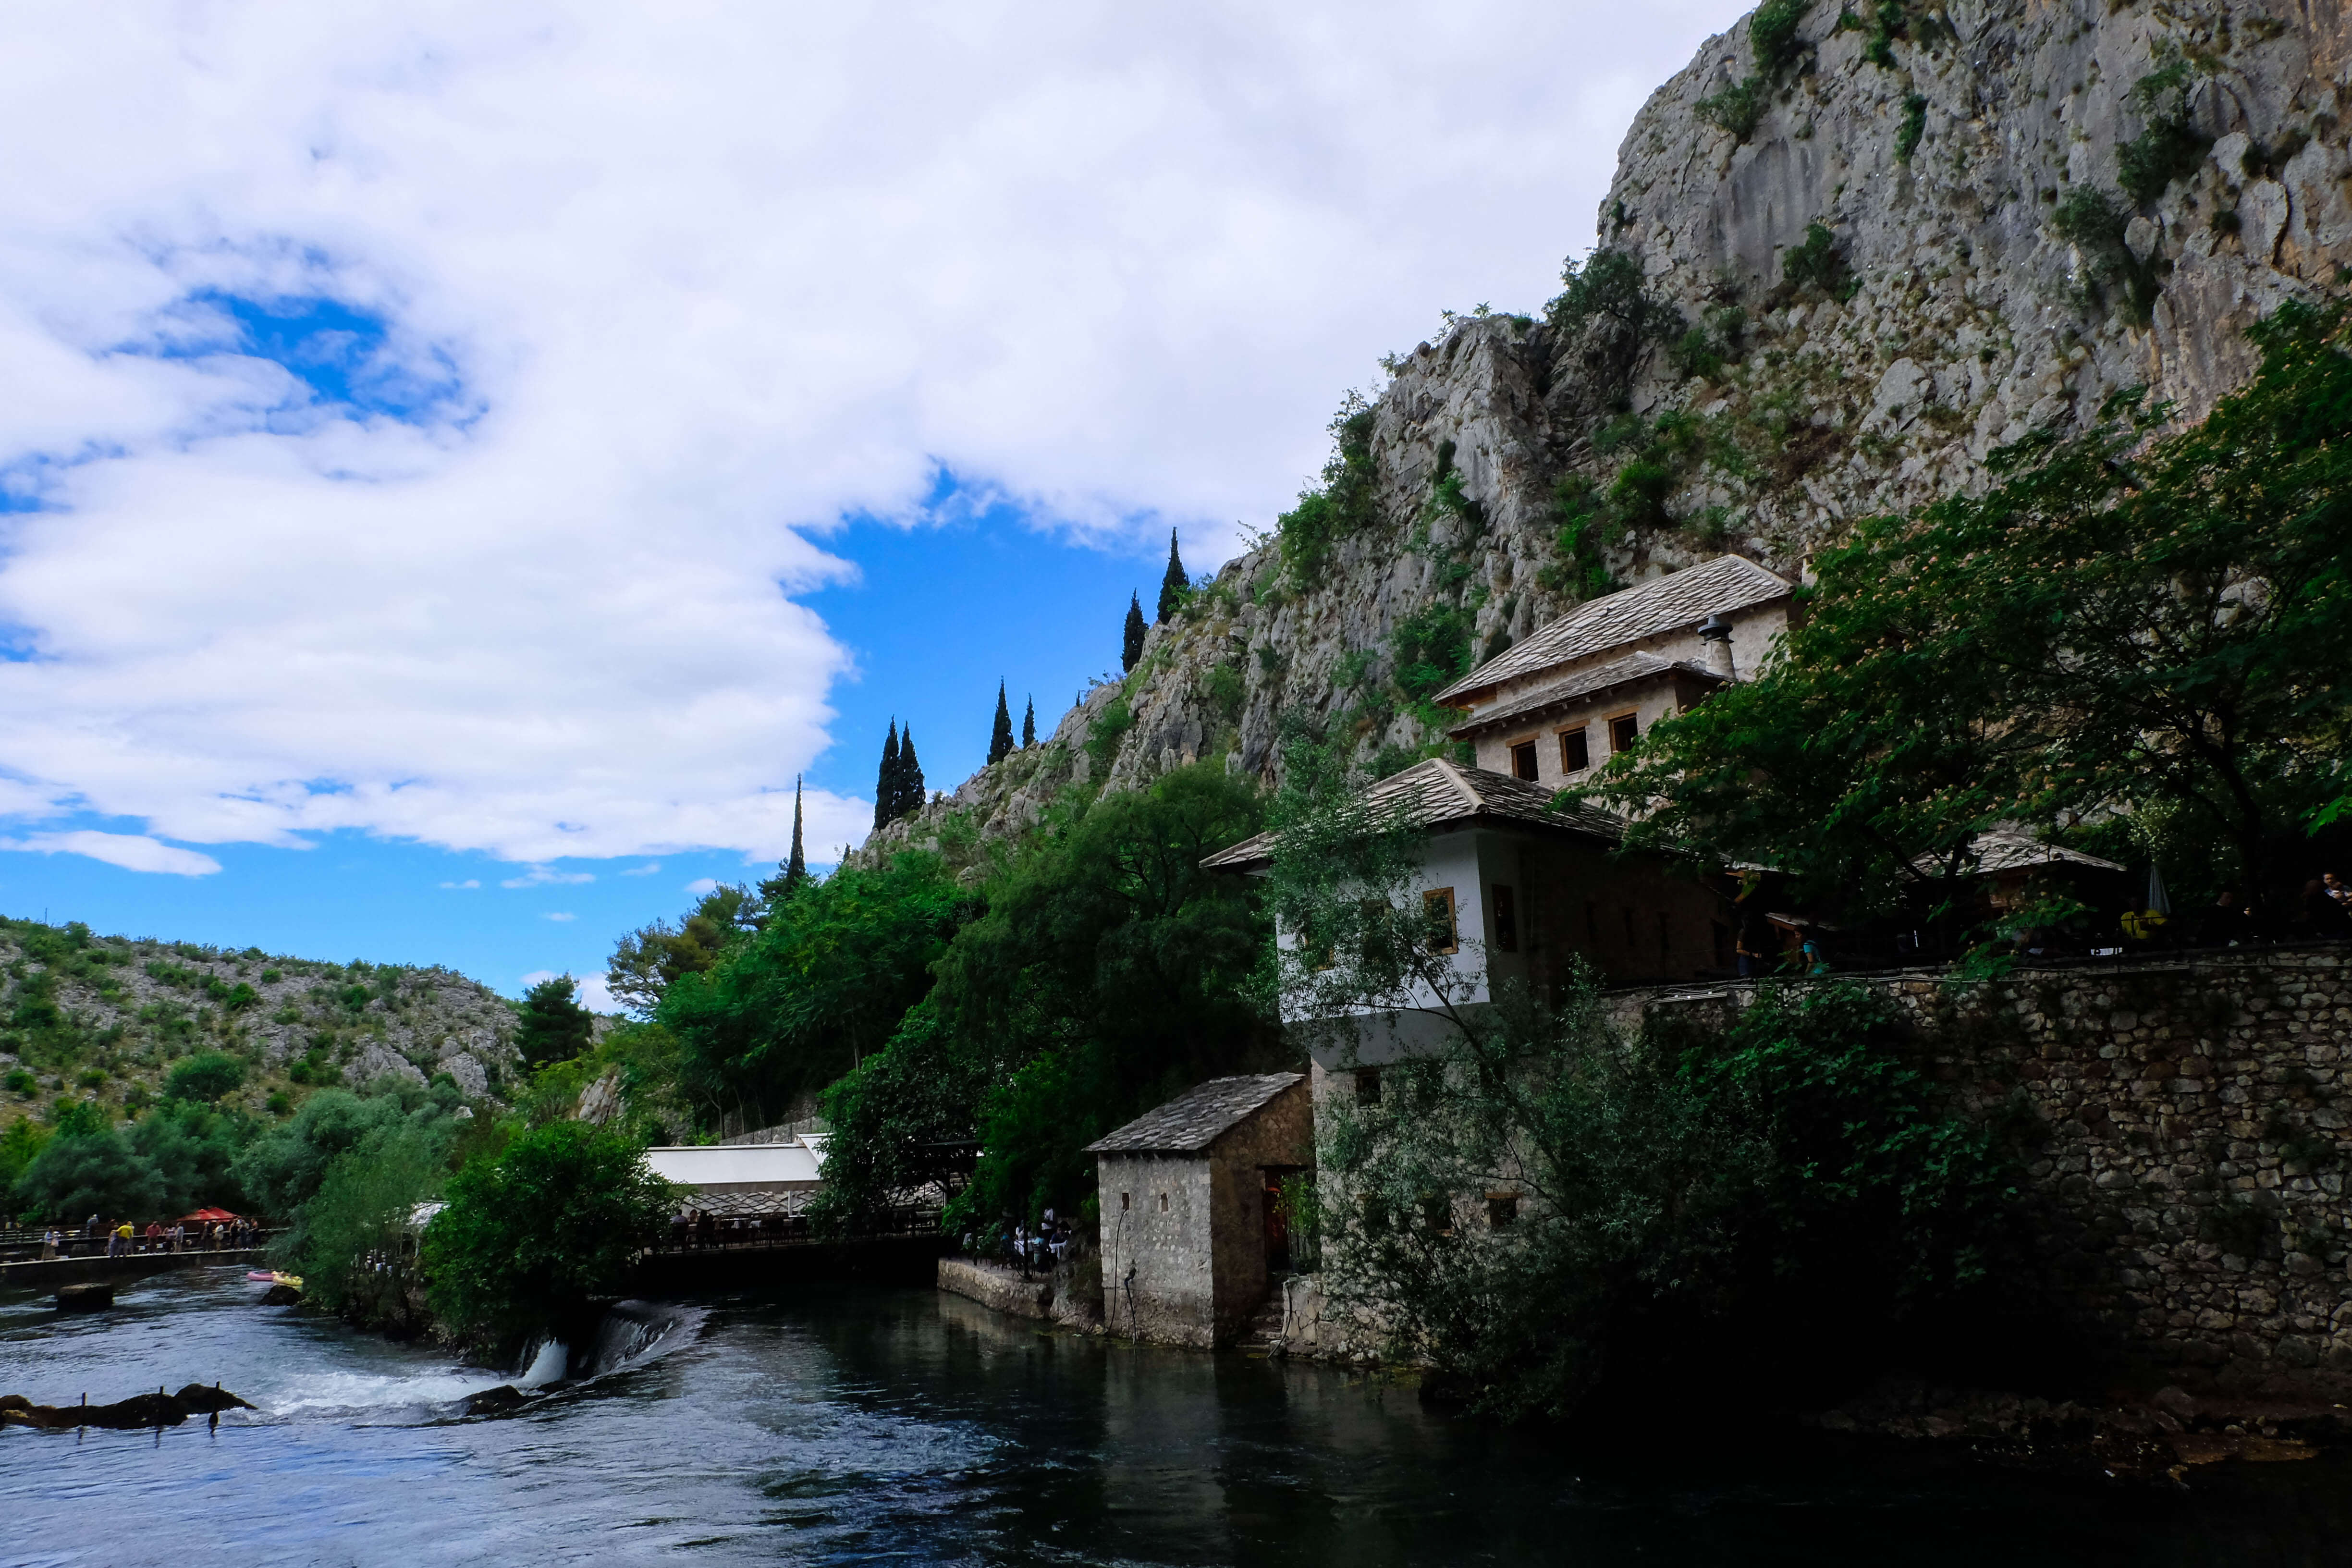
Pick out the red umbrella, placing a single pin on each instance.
(208, 1217)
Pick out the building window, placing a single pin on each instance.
(1523, 760)
(1122, 1203)
(1575, 749)
(1623, 730)
(1437, 911)
(1368, 1086)
(1501, 1208)
(1507, 921)
(1163, 1202)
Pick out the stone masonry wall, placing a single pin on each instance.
(2189, 1194)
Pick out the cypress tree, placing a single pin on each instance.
(910, 776)
(796, 866)
(1173, 587)
(886, 783)
(1000, 734)
(1029, 726)
(1132, 648)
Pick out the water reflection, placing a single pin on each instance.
(852, 1424)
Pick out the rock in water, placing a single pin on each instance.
(497, 1401)
(85, 1297)
(137, 1412)
(281, 1296)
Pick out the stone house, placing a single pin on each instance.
(1192, 1235)
(1573, 694)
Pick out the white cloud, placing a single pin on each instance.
(702, 885)
(648, 869)
(131, 851)
(547, 876)
(468, 882)
(690, 285)
(561, 916)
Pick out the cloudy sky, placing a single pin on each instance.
(461, 463)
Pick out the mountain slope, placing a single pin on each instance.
(1891, 240)
(106, 1018)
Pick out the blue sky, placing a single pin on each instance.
(458, 464)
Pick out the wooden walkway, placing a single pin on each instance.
(46, 1274)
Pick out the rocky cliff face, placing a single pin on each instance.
(1886, 241)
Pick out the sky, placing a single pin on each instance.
(461, 465)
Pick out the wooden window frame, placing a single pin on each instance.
(1582, 732)
(1610, 724)
(1535, 758)
(1430, 902)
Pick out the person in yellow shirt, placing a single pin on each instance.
(121, 1245)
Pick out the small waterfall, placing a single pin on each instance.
(547, 1359)
(633, 1330)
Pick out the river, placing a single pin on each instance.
(843, 1425)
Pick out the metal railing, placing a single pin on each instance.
(25, 1245)
(788, 1230)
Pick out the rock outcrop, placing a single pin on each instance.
(1922, 232)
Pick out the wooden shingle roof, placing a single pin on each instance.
(1437, 793)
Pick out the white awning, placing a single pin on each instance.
(739, 1167)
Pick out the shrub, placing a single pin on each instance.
(531, 1237)
(204, 1077)
(2170, 145)
(1817, 263)
(1772, 34)
(1737, 108)
(1913, 126)
(20, 1082)
(2093, 223)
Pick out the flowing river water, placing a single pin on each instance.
(835, 1424)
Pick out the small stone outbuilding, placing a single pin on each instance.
(1192, 1234)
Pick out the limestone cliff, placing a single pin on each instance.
(1885, 242)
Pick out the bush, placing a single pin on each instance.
(2170, 146)
(1818, 264)
(1772, 34)
(204, 1078)
(1737, 108)
(352, 1242)
(531, 1237)
(86, 1168)
(20, 1082)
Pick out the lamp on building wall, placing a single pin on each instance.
(1716, 632)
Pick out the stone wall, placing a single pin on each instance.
(2187, 1184)
(1157, 1246)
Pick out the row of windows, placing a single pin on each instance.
(1576, 747)
(1445, 932)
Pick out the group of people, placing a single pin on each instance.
(1043, 1247)
(123, 1238)
(2321, 911)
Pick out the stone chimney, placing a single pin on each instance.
(1716, 632)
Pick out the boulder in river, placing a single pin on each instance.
(85, 1297)
(497, 1401)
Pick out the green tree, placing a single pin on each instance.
(648, 961)
(910, 776)
(194, 1150)
(283, 1168)
(204, 1078)
(1131, 642)
(86, 1168)
(887, 791)
(999, 732)
(23, 1138)
(821, 986)
(1029, 724)
(1173, 583)
(2127, 623)
(796, 869)
(553, 1026)
(529, 1239)
(353, 1241)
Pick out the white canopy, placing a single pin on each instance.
(713, 1168)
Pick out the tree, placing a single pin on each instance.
(910, 776)
(796, 869)
(823, 984)
(1174, 585)
(529, 1238)
(194, 1149)
(1131, 646)
(554, 1026)
(2129, 625)
(283, 1168)
(1029, 724)
(648, 961)
(19, 1144)
(86, 1168)
(204, 1077)
(887, 790)
(350, 1242)
(1000, 733)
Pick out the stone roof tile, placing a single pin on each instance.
(1197, 1118)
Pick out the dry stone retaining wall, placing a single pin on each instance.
(2188, 1187)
